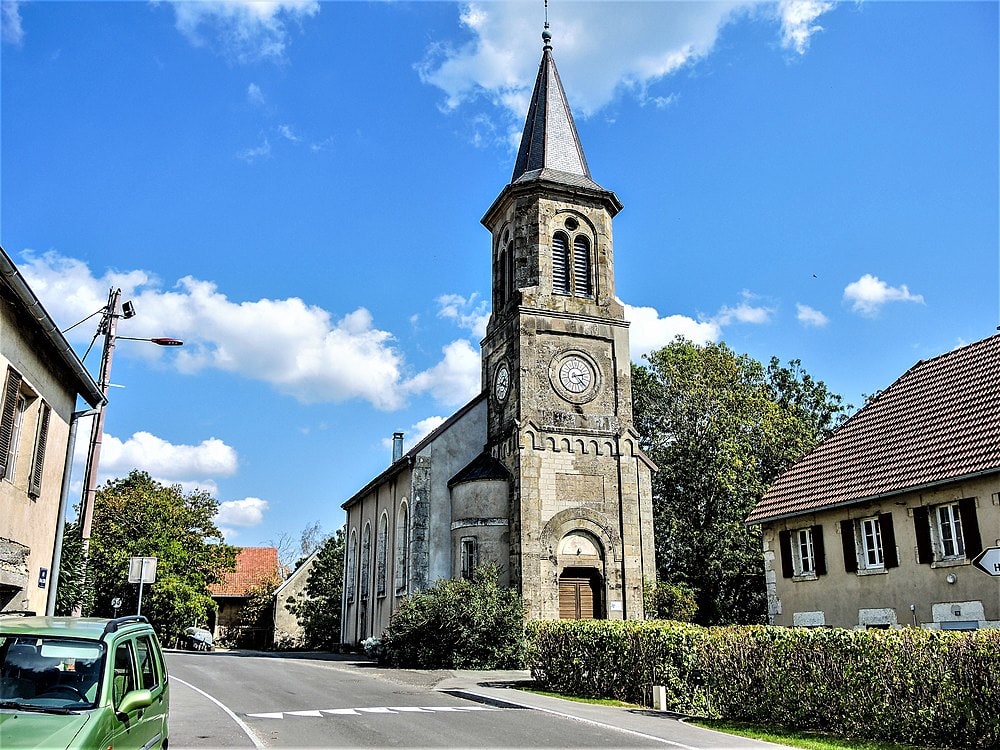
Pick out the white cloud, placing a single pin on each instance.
(416, 433)
(455, 379)
(469, 313)
(797, 22)
(648, 331)
(234, 515)
(174, 463)
(12, 30)
(243, 30)
(638, 45)
(254, 95)
(743, 313)
(869, 293)
(288, 133)
(809, 316)
(250, 155)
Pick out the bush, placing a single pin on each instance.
(919, 687)
(458, 624)
(670, 601)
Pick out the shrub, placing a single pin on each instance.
(458, 624)
(919, 687)
(670, 601)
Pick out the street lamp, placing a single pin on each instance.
(108, 326)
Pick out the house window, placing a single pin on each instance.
(14, 439)
(947, 533)
(949, 528)
(802, 552)
(470, 556)
(869, 544)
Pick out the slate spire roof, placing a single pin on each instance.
(550, 146)
(937, 423)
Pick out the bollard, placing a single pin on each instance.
(659, 697)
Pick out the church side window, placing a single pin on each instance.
(470, 556)
(381, 542)
(560, 264)
(402, 547)
(352, 564)
(366, 561)
(581, 267)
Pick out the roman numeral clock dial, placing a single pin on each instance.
(575, 375)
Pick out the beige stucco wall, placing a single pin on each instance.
(28, 525)
(929, 596)
(287, 631)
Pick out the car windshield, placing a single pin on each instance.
(46, 672)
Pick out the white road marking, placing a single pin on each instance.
(239, 722)
(371, 710)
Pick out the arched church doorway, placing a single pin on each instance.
(581, 580)
(581, 594)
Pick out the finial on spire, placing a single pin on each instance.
(546, 35)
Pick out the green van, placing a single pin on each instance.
(81, 682)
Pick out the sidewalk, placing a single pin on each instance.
(501, 688)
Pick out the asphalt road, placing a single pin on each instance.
(243, 699)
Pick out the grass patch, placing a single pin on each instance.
(808, 740)
(583, 699)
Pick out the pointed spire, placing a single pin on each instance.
(550, 146)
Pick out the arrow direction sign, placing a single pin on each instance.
(988, 561)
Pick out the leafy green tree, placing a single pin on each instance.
(254, 627)
(72, 589)
(670, 601)
(138, 517)
(318, 611)
(459, 624)
(721, 427)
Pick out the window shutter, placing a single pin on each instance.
(819, 551)
(785, 546)
(560, 273)
(889, 556)
(35, 486)
(970, 527)
(922, 526)
(581, 267)
(850, 549)
(11, 390)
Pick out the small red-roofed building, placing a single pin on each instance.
(257, 570)
(879, 525)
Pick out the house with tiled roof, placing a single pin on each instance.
(879, 525)
(256, 568)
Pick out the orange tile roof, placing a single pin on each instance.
(939, 422)
(253, 565)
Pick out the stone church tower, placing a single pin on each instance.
(557, 378)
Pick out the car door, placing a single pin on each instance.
(134, 730)
(152, 677)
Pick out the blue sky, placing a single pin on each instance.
(295, 189)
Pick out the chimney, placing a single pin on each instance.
(397, 446)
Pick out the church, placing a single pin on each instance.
(541, 472)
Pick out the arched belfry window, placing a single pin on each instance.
(560, 264)
(581, 267)
(505, 267)
(572, 261)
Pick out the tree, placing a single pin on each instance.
(138, 517)
(721, 427)
(318, 612)
(72, 590)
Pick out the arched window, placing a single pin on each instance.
(560, 264)
(381, 542)
(505, 267)
(352, 564)
(581, 267)
(366, 561)
(402, 547)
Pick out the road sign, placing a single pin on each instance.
(141, 569)
(988, 561)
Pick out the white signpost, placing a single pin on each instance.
(988, 561)
(141, 570)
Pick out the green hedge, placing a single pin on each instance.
(919, 687)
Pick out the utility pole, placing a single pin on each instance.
(109, 326)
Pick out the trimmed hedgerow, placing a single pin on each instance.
(920, 687)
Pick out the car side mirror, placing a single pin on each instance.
(135, 700)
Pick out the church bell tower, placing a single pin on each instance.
(557, 373)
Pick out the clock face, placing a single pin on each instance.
(575, 375)
(501, 384)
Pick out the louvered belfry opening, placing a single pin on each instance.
(560, 264)
(580, 594)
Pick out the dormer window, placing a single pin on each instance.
(572, 266)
